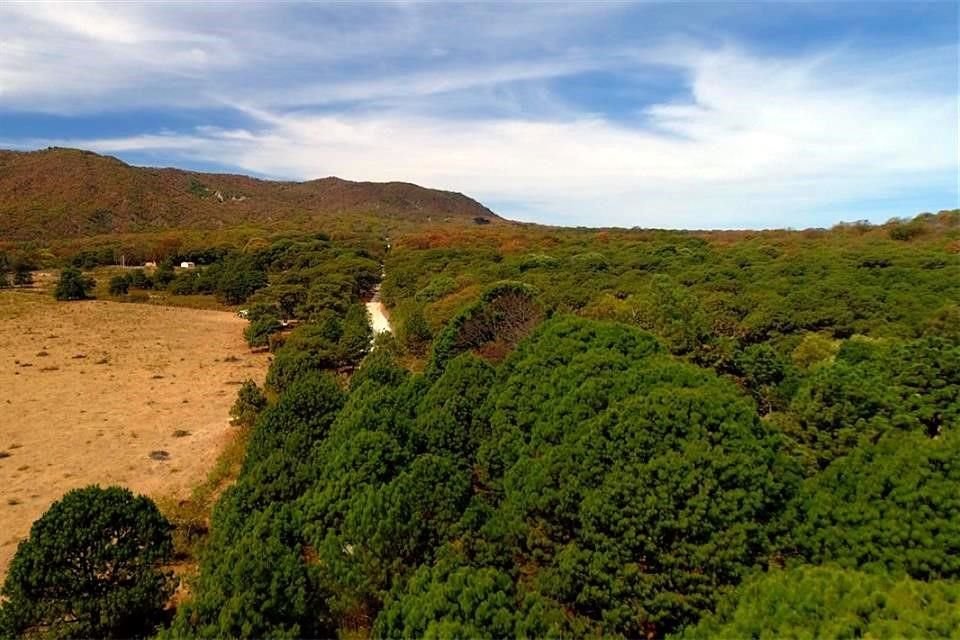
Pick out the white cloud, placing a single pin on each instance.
(762, 139)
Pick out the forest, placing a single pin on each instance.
(572, 433)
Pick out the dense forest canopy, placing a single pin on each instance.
(580, 433)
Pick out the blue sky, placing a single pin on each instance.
(655, 114)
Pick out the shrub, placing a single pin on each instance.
(119, 285)
(906, 231)
(250, 402)
(164, 274)
(91, 568)
(258, 332)
(185, 283)
(140, 280)
(22, 274)
(73, 285)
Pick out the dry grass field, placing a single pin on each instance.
(110, 393)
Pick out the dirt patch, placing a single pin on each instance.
(152, 380)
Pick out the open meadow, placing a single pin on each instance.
(110, 393)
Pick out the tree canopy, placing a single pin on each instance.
(73, 285)
(92, 567)
(828, 602)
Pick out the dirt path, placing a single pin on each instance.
(379, 321)
(378, 315)
(110, 393)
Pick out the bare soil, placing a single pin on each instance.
(107, 393)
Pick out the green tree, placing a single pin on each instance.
(634, 490)
(309, 348)
(945, 323)
(22, 272)
(140, 280)
(119, 285)
(874, 387)
(185, 283)
(164, 274)
(890, 506)
(91, 568)
(73, 285)
(259, 586)
(673, 313)
(238, 279)
(258, 332)
(833, 603)
(450, 418)
(5, 269)
(416, 332)
(381, 365)
(300, 418)
(815, 348)
(357, 335)
(250, 402)
(450, 601)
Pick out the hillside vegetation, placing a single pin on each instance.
(68, 193)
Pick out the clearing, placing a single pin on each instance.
(111, 393)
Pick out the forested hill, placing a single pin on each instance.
(68, 193)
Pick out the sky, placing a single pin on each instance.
(653, 114)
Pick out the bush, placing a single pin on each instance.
(22, 274)
(140, 280)
(185, 283)
(906, 231)
(73, 285)
(91, 568)
(119, 285)
(250, 402)
(258, 332)
(164, 274)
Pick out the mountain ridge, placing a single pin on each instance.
(66, 192)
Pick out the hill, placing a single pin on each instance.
(70, 193)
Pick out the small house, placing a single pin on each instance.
(187, 265)
(150, 264)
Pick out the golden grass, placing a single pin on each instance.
(94, 391)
